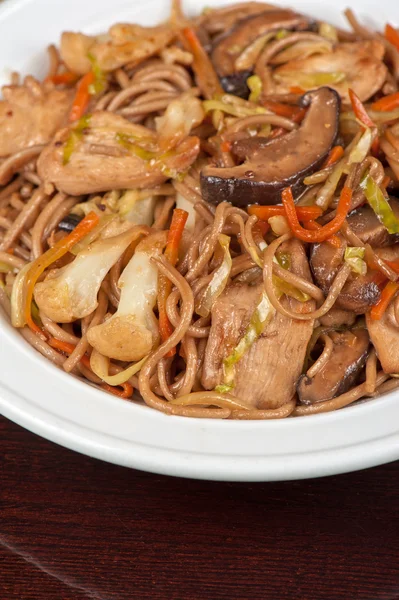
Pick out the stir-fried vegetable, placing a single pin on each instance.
(322, 234)
(99, 364)
(261, 316)
(354, 258)
(202, 65)
(71, 293)
(219, 280)
(392, 35)
(379, 204)
(38, 267)
(304, 213)
(386, 103)
(335, 154)
(359, 110)
(74, 136)
(387, 294)
(82, 97)
(67, 78)
(134, 318)
(328, 31)
(295, 113)
(175, 234)
(255, 85)
(99, 82)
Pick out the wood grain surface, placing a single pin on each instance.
(72, 527)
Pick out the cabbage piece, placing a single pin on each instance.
(379, 204)
(354, 258)
(219, 280)
(132, 331)
(71, 292)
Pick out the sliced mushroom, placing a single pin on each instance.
(365, 223)
(339, 373)
(229, 46)
(272, 165)
(359, 293)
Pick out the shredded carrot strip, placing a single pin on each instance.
(304, 213)
(262, 226)
(63, 78)
(362, 115)
(67, 348)
(393, 264)
(295, 113)
(202, 65)
(82, 97)
(386, 296)
(10, 251)
(335, 154)
(392, 35)
(359, 110)
(126, 392)
(296, 90)
(164, 284)
(325, 232)
(225, 146)
(333, 240)
(387, 103)
(45, 260)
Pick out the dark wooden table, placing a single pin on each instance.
(72, 527)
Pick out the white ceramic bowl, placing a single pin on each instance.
(45, 400)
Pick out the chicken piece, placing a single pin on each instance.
(30, 115)
(360, 62)
(126, 43)
(266, 376)
(384, 334)
(106, 155)
(342, 369)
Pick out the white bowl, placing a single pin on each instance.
(49, 402)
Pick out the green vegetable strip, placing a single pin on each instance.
(219, 280)
(379, 204)
(261, 316)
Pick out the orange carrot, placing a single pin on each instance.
(296, 90)
(333, 240)
(126, 392)
(322, 234)
(335, 154)
(277, 132)
(392, 35)
(386, 296)
(225, 146)
(202, 65)
(362, 115)
(304, 213)
(68, 348)
(45, 260)
(63, 78)
(359, 110)
(295, 113)
(164, 284)
(387, 103)
(82, 97)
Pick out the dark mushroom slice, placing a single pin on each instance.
(69, 222)
(359, 293)
(365, 223)
(228, 47)
(273, 164)
(339, 374)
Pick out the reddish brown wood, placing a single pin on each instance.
(72, 527)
